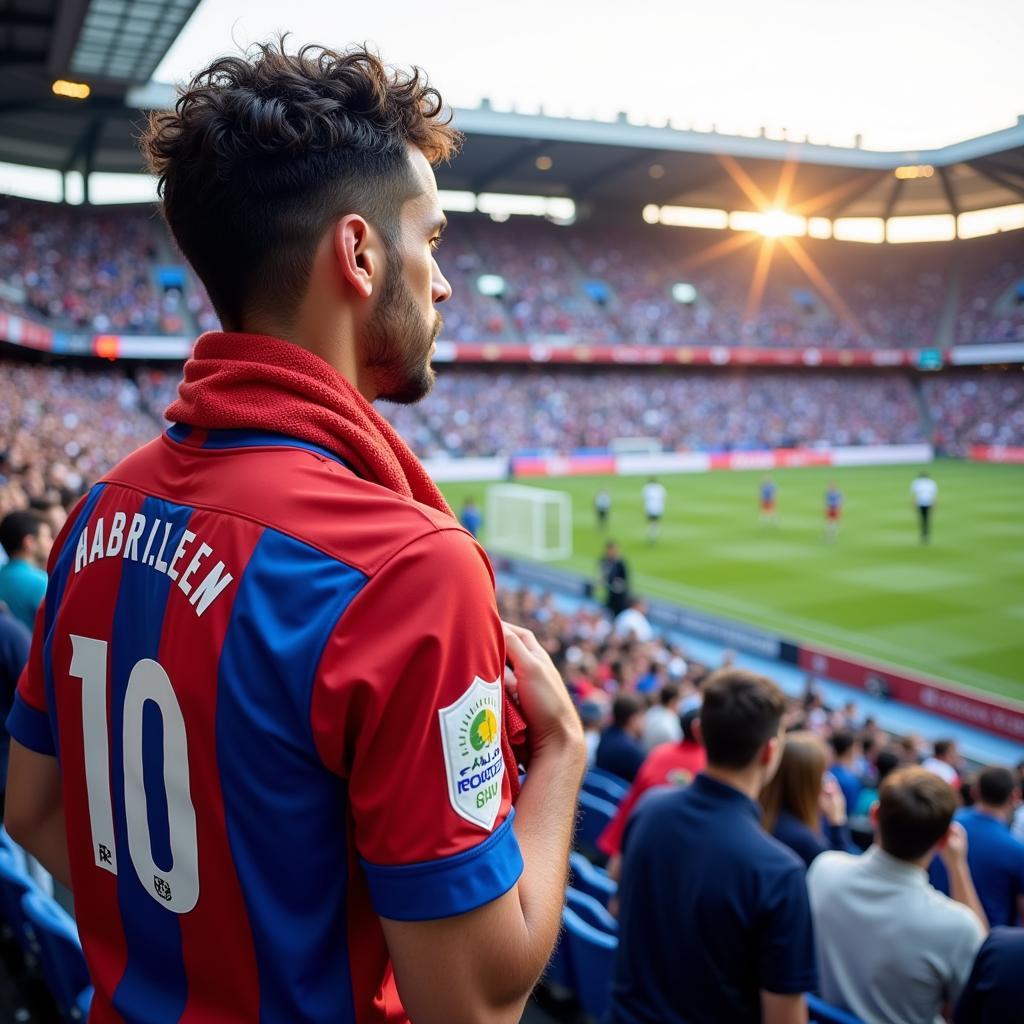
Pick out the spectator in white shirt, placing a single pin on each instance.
(633, 622)
(944, 762)
(891, 949)
(661, 722)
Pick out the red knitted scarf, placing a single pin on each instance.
(250, 381)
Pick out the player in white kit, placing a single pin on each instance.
(654, 507)
(925, 491)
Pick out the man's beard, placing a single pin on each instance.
(398, 342)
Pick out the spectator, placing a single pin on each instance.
(715, 924)
(14, 645)
(470, 516)
(995, 857)
(661, 722)
(620, 751)
(891, 949)
(994, 993)
(801, 806)
(26, 539)
(592, 714)
(844, 756)
(944, 762)
(671, 764)
(886, 761)
(633, 622)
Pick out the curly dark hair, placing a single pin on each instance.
(263, 151)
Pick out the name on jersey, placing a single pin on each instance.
(148, 540)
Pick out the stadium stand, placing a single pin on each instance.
(116, 271)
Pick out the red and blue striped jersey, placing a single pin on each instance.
(274, 691)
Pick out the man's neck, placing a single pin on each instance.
(1001, 814)
(747, 780)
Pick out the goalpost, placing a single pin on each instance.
(529, 521)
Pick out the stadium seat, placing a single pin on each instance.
(590, 879)
(14, 883)
(594, 772)
(60, 954)
(591, 962)
(820, 1012)
(591, 910)
(605, 786)
(595, 813)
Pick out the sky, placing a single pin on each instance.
(904, 74)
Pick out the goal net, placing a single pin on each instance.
(529, 521)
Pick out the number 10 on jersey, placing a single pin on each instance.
(178, 888)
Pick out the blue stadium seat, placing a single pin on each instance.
(599, 773)
(14, 883)
(595, 813)
(60, 954)
(588, 878)
(606, 786)
(820, 1012)
(591, 962)
(591, 910)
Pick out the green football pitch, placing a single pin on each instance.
(952, 609)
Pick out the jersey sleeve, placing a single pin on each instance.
(785, 955)
(29, 721)
(407, 707)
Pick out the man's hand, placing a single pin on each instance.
(542, 695)
(832, 802)
(954, 850)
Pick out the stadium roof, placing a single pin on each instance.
(110, 45)
(114, 46)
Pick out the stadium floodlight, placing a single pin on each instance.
(939, 227)
(694, 217)
(770, 223)
(492, 285)
(684, 293)
(529, 521)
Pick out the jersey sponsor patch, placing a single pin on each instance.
(473, 762)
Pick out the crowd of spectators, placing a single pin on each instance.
(770, 845)
(976, 409)
(584, 283)
(490, 412)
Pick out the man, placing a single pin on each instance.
(925, 491)
(768, 493)
(632, 622)
(890, 948)
(615, 575)
(27, 540)
(944, 762)
(994, 993)
(833, 512)
(714, 923)
(654, 507)
(270, 658)
(661, 720)
(995, 857)
(671, 764)
(470, 517)
(845, 751)
(14, 646)
(602, 508)
(620, 750)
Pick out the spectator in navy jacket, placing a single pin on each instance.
(620, 750)
(715, 923)
(844, 757)
(803, 808)
(994, 993)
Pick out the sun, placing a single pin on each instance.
(775, 223)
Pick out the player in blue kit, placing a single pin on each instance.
(768, 492)
(833, 512)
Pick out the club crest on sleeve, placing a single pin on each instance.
(473, 763)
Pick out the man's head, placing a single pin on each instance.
(740, 721)
(669, 696)
(945, 750)
(611, 549)
(996, 789)
(843, 743)
(913, 813)
(627, 713)
(300, 187)
(26, 535)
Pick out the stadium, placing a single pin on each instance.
(718, 407)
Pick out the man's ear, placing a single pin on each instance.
(768, 751)
(357, 254)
